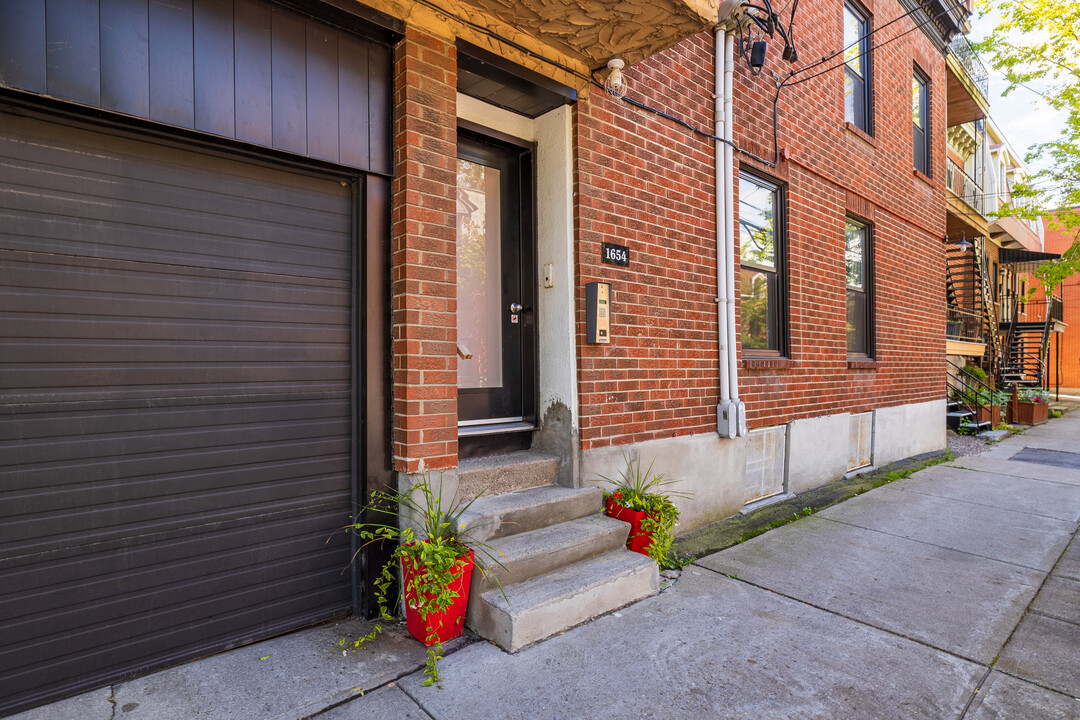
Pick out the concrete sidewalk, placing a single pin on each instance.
(954, 593)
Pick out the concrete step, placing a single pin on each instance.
(529, 509)
(505, 473)
(529, 554)
(551, 603)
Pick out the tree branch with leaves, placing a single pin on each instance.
(1038, 41)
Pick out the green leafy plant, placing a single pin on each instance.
(433, 538)
(974, 371)
(645, 491)
(1033, 395)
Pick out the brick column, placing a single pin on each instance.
(424, 253)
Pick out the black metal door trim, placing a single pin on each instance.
(515, 158)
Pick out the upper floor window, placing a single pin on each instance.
(858, 270)
(920, 121)
(761, 250)
(856, 67)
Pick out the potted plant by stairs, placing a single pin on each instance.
(436, 555)
(987, 404)
(638, 498)
(1031, 407)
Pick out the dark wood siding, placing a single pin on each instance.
(175, 404)
(241, 69)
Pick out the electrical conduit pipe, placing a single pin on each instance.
(731, 412)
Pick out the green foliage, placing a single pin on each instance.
(1033, 395)
(805, 512)
(643, 491)
(1037, 40)
(433, 549)
(974, 371)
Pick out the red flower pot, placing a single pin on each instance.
(445, 625)
(639, 540)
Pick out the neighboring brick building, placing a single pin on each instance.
(268, 256)
(1066, 346)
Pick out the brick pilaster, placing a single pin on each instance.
(424, 253)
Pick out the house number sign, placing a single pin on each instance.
(614, 254)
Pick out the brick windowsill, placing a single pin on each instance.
(861, 134)
(923, 176)
(862, 364)
(767, 363)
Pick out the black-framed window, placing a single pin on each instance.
(920, 120)
(859, 271)
(762, 282)
(857, 67)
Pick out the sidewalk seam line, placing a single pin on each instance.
(979, 504)
(944, 547)
(975, 694)
(852, 619)
(418, 703)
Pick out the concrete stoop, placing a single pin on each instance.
(514, 471)
(564, 562)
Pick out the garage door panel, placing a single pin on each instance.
(109, 585)
(138, 202)
(160, 379)
(176, 430)
(142, 653)
(162, 603)
(39, 273)
(159, 552)
(139, 244)
(111, 161)
(32, 426)
(92, 487)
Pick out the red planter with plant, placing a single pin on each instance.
(638, 540)
(991, 414)
(438, 627)
(1030, 406)
(1031, 413)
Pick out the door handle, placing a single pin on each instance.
(515, 308)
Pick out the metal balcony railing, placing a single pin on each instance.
(961, 48)
(1035, 311)
(964, 186)
(963, 324)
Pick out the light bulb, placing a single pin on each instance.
(614, 83)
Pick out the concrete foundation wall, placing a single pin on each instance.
(710, 469)
(818, 451)
(907, 430)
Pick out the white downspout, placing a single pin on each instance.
(730, 413)
(738, 407)
(725, 419)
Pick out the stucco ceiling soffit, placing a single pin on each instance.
(594, 31)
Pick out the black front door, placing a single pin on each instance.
(496, 286)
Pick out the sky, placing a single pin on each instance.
(1023, 116)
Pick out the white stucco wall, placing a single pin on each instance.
(906, 430)
(708, 468)
(818, 450)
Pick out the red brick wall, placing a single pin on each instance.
(424, 285)
(1058, 241)
(643, 181)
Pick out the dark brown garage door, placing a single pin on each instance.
(175, 403)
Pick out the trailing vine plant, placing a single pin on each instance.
(432, 539)
(646, 491)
